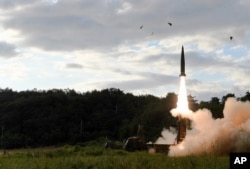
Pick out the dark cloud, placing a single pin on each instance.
(192, 82)
(70, 25)
(147, 80)
(171, 59)
(201, 62)
(207, 95)
(122, 71)
(6, 4)
(7, 50)
(67, 25)
(160, 79)
(195, 61)
(74, 66)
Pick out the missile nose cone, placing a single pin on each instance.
(182, 63)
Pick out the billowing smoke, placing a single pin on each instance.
(168, 136)
(215, 136)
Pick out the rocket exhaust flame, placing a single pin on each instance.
(182, 104)
(182, 111)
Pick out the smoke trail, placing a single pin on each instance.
(217, 136)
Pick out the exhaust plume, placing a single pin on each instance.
(216, 136)
(182, 103)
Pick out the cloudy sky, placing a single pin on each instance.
(97, 44)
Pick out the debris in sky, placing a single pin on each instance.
(231, 38)
(141, 27)
(170, 24)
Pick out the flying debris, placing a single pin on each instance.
(170, 24)
(141, 27)
(231, 38)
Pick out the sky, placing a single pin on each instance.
(97, 44)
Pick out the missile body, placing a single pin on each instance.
(182, 63)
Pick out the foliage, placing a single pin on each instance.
(42, 118)
(215, 105)
(95, 157)
(35, 118)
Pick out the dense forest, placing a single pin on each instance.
(35, 118)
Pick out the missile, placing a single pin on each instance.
(182, 63)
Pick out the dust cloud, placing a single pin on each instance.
(214, 136)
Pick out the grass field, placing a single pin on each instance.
(96, 157)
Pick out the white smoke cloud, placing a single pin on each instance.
(217, 136)
(168, 136)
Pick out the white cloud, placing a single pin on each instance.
(52, 1)
(126, 7)
(14, 72)
(103, 40)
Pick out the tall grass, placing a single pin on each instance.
(95, 157)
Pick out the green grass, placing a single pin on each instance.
(95, 157)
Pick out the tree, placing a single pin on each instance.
(192, 103)
(224, 98)
(246, 97)
(50, 117)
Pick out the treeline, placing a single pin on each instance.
(42, 118)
